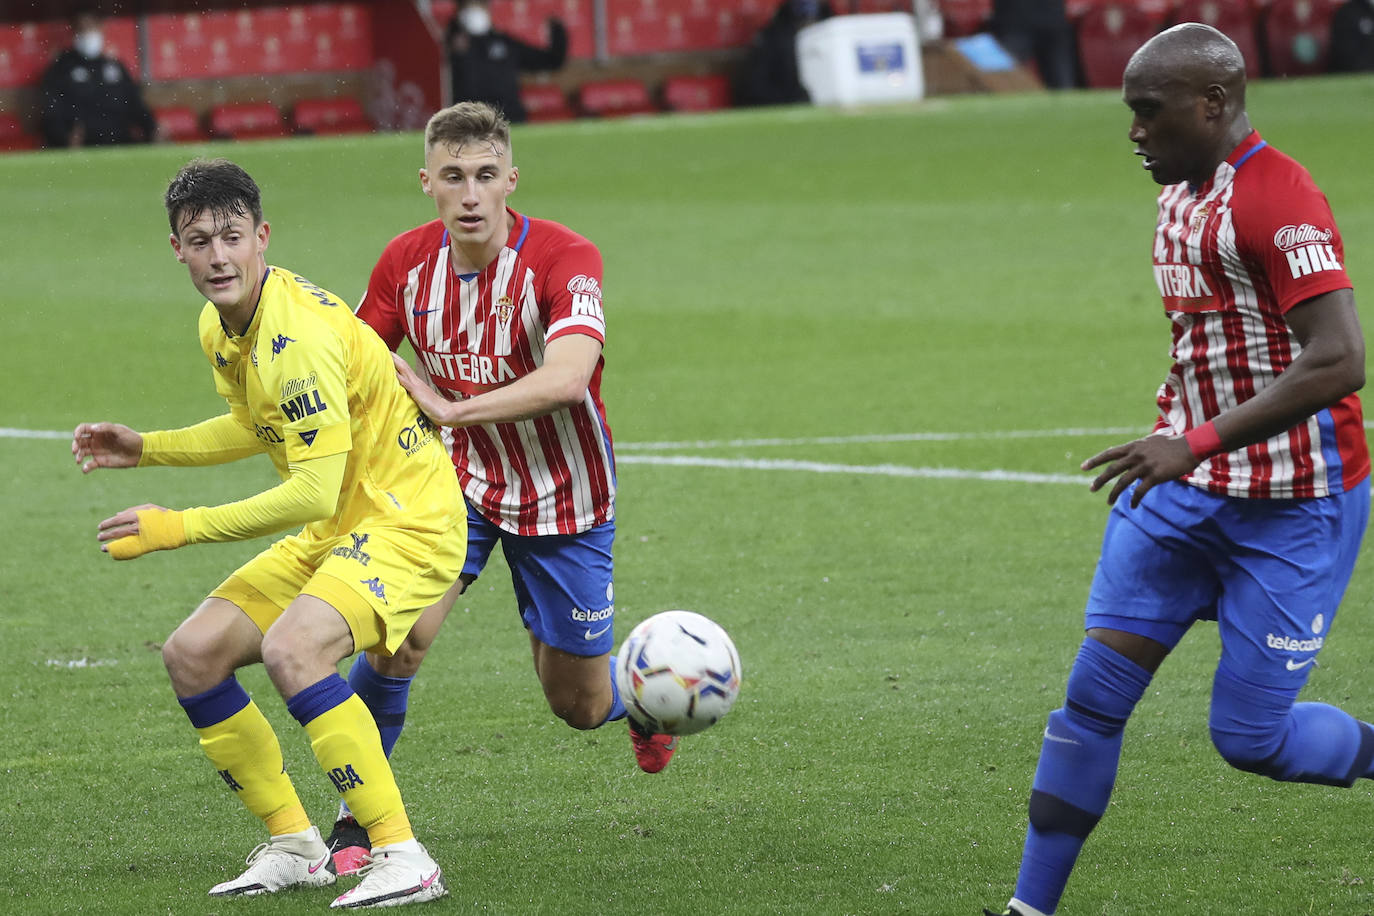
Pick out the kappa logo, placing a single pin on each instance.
(375, 586)
(356, 552)
(220, 361)
(279, 344)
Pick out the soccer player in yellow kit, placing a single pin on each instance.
(313, 387)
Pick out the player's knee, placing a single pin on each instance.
(1253, 750)
(405, 662)
(192, 661)
(581, 713)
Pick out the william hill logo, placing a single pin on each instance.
(302, 405)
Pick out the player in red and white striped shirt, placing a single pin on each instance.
(505, 315)
(1248, 503)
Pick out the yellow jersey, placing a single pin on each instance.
(312, 380)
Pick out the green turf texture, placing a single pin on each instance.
(968, 265)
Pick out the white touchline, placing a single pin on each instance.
(816, 467)
(880, 437)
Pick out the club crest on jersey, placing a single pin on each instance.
(504, 309)
(355, 552)
(1199, 217)
(1308, 249)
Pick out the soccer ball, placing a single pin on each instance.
(678, 673)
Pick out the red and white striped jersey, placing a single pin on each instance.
(553, 474)
(1231, 257)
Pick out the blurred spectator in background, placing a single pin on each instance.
(1038, 32)
(770, 75)
(1352, 37)
(89, 98)
(486, 64)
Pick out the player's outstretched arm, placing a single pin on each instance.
(310, 493)
(562, 381)
(106, 445)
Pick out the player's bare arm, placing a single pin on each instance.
(1330, 366)
(106, 445)
(561, 381)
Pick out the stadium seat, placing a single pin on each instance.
(179, 124)
(1108, 34)
(614, 98)
(337, 115)
(965, 17)
(246, 121)
(545, 102)
(696, 93)
(13, 136)
(1234, 18)
(1297, 36)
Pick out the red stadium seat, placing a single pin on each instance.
(965, 17)
(338, 115)
(1234, 18)
(13, 136)
(545, 102)
(614, 98)
(1108, 34)
(1297, 36)
(246, 121)
(696, 93)
(179, 124)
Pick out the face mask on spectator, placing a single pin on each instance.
(476, 20)
(89, 43)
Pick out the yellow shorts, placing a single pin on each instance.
(379, 579)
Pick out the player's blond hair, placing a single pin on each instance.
(467, 122)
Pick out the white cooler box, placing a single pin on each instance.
(852, 60)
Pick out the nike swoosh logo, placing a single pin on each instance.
(1294, 666)
(590, 635)
(1058, 739)
(426, 882)
(316, 866)
(418, 312)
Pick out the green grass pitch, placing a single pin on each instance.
(800, 303)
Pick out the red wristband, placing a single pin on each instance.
(1203, 441)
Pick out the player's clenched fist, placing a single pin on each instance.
(106, 445)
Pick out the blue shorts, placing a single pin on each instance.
(563, 582)
(1271, 572)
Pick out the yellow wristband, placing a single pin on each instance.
(158, 529)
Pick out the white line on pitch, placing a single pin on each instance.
(9, 432)
(881, 437)
(816, 467)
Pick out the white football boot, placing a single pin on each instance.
(394, 876)
(285, 861)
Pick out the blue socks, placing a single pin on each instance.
(386, 698)
(1077, 769)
